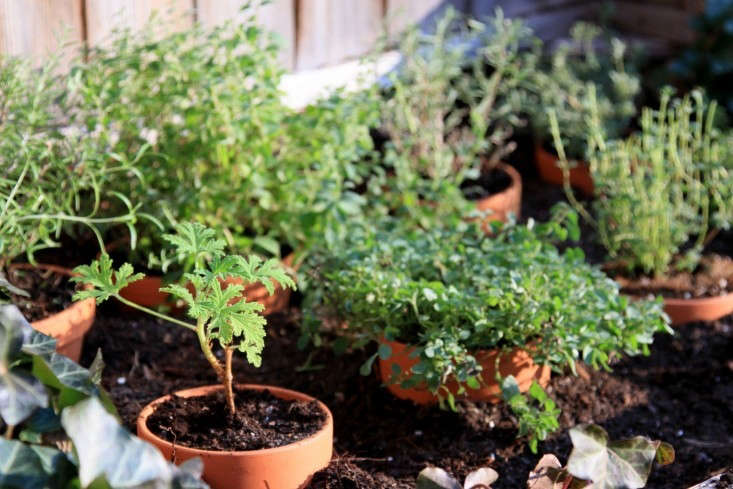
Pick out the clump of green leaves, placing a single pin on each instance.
(212, 295)
(57, 176)
(536, 412)
(564, 84)
(451, 292)
(61, 429)
(663, 193)
(445, 127)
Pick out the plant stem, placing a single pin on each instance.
(228, 378)
(9, 431)
(224, 373)
(155, 313)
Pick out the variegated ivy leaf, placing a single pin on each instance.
(26, 466)
(437, 478)
(623, 464)
(106, 281)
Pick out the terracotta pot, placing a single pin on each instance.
(287, 467)
(69, 326)
(681, 311)
(516, 362)
(146, 293)
(507, 201)
(546, 163)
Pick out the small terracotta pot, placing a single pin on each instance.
(501, 204)
(69, 326)
(681, 311)
(287, 467)
(145, 292)
(516, 362)
(546, 163)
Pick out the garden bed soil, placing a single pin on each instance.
(714, 277)
(262, 421)
(682, 394)
(488, 184)
(50, 292)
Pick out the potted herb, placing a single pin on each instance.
(448, 132)
(662, 196)
(60, 428)
(246, 434)
(454, 312)
(223, 149)
(563, 84)
(55, 189)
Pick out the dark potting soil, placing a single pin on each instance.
(682, 393)
(488, 184)
(50, 292)
(261, 421)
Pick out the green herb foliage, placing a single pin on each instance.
(61, 429)
(536, 412)
(450, 292)
(212, 294)
(664, 192)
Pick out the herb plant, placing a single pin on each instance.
(57, 177)
(536, 412)
(451, 292)
(564, 82)
(662, 193)
(444, 127)
(61, 430)
(213, 295)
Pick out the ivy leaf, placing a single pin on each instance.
(480, 478)
(31, 466)
(106, 281)
(436, 478)
(623, 464)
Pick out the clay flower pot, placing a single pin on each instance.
(546, 163)
(681, 311)
(69, 326)
(501, 204)
(517, 363)
(145, 292)
(287, 467)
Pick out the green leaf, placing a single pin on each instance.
(25, 466)
(366, 367)
(106, 281)
(195, 240)
(623, 464)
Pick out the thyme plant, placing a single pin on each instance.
(57, 177)
(444, 127)
(213, 295)
(662, 194)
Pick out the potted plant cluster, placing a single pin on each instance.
(563, 83)
(243, 446)
(447, 133)
(662, 195)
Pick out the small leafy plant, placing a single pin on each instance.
(444, 127)
(61, 430)
(536, 412)
(664, 193)
(212, 294)
(563, 85)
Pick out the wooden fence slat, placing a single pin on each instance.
(403, 13)
(331, 31)
(278, 16)
(105, 15)
(36, 28)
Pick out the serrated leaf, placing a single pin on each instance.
(106, 281)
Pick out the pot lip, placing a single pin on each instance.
(539, 150)
(514, 185)
(480, 351)
(149, 408)
(699, 301)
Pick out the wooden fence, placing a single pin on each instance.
(315, 33)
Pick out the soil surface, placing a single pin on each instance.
(262, 421)
(49, 292)
(682, 393)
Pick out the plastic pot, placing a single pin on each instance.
(288, 467)
(681, 311)
(550, 172)
(69, 326)
(505, 202)
(517, 362)
(145, 292)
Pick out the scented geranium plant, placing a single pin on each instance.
(563, 82)
(223, 149)
(449, 120)
(57, 178)
(450, 293)
(213, 295)
(663, 193)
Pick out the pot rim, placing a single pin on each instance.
(698, 301)
(515, 182)
(203, 390)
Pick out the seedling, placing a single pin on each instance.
(212, 294)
